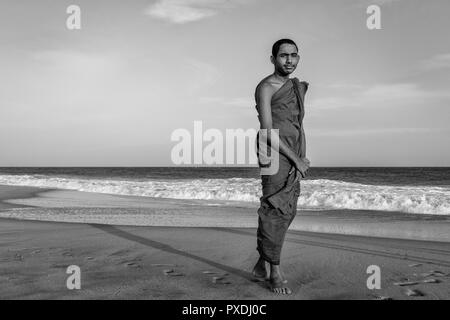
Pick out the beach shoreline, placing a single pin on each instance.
(133, 262)
(60, 205)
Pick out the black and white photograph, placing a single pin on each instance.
(239, 152)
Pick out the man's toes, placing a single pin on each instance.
(281, 290)
(285, 291)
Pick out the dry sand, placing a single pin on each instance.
(128, 262)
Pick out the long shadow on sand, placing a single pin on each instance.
(345, 247)
(167, 248)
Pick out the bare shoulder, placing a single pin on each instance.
(265, 88)
(305, 85)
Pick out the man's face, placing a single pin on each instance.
(287, 59)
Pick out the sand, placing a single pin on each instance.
(129, 262)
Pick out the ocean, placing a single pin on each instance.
(418, 190)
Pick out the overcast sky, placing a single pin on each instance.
(112, 93)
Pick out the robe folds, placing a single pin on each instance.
(280, 191)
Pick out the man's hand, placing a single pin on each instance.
(302, 165)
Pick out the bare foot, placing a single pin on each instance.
(279, 287)
(261, 271)
(276, 281)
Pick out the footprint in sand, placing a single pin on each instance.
(405, 283)
(219, 277)
(18, 257)
(133, 264)
(415, 265)
(67, 254)
(220, 280)
(414, 293)
(437, 273)
(431, 281)
(172, 273)
(168, 272)
(426, 274)
(433, 273)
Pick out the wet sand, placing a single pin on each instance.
(128, 262)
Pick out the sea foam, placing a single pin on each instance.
(318, 194)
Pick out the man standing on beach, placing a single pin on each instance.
(279, 101)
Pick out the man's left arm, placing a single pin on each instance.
(302, 131)
(303, 143)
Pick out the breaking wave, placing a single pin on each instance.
(319, 194)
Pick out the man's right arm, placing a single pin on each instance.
(263, 98)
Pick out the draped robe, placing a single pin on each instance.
(280, 191)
